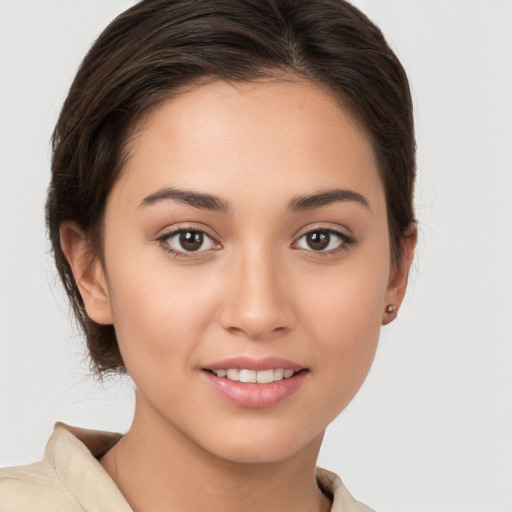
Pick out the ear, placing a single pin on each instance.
(399, 276)
(88, 272)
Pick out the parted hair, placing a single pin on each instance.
(158, 46)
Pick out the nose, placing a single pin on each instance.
(258, 303)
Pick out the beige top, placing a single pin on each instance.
(70, 478)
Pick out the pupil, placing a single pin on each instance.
(191, 240)
(318, 240)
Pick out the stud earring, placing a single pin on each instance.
(390, 308)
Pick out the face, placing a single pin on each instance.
(247, 239)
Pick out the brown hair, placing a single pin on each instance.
(157, 46)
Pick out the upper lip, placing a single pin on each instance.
(257, 364)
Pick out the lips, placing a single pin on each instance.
(255, 383)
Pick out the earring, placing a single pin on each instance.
(390, 308)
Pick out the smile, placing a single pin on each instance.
(254, 376)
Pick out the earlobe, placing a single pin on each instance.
(399, 277)
(88, 272)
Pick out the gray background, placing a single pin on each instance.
(431, 430)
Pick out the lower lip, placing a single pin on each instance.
(245, 394)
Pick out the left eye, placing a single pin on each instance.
(321, 240)
(188, 240)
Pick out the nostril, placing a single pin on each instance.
(257, 329)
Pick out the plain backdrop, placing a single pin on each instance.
(431, 430)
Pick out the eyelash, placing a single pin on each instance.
(344, 243)
(164, 242)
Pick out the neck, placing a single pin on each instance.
(157, 468)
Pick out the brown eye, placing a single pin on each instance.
(318, 240)
(323, 240)
(191, 240)
(185, 241)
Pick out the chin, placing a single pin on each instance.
(264, 449)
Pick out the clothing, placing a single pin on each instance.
(70, 478)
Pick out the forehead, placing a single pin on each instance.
(292, 135)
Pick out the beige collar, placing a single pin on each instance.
(74, 453)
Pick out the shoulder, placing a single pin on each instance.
(68, 478)
(36, 486)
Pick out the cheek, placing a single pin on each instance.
(346, 331)
(344, 319)
(160, 313)
(346, 349)
(348, 302)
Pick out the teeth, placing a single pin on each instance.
(252, 376)
(233, 374)
(247, 376)
(265, 376)
(279, 374)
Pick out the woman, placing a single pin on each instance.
(231, 215)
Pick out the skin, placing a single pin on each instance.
(257, 290)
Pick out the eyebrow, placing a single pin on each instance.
(214, 203)
(195, 199)
(308, 202)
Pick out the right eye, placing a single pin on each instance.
(183, 242)
(323, 241)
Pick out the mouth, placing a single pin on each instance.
(255, 376)
(256, 383)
